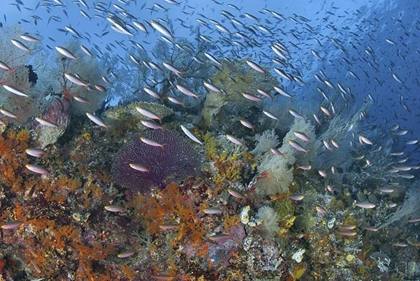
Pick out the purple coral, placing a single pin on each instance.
(177, 160)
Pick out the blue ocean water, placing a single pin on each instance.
(348, 36)
(347, 55)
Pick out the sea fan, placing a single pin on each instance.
(173, 162)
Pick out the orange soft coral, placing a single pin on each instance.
(169, 206)
(12, 149)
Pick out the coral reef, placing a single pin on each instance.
(287, 201)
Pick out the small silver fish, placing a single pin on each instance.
(296, 197)
(282, 92)
(305, 168)
(35, 152)
(151, 124)
(211, 87)
(4, 66)
(65, 52)
(148, 113)
(81, 99)
(297, 146)
(251, 97)
(320, 210)
(152, 142)
(7, 113)
(37, 169)
(139, 167)
(212, 211)
(12, 225)
(156, 25)
(114, 208)
(327, 145)
(172, 68)
(235, 193)
(364, 140)
(295, 114)
(15, 91)
(247, 124)
(265, 94)
(322, 173)
(186, 91)
(256, 67)
(46, 122)
(213, 59)
(126, 254)
(175, 100)
(190, 135)
(326, 111)
(234, 140)
(20, 45)
(301, 136)
(29, 38)
(271, 115)
(365, 205)
(275, 151)
(75, 79)
(95, 119)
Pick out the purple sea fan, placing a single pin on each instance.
(172, 163)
